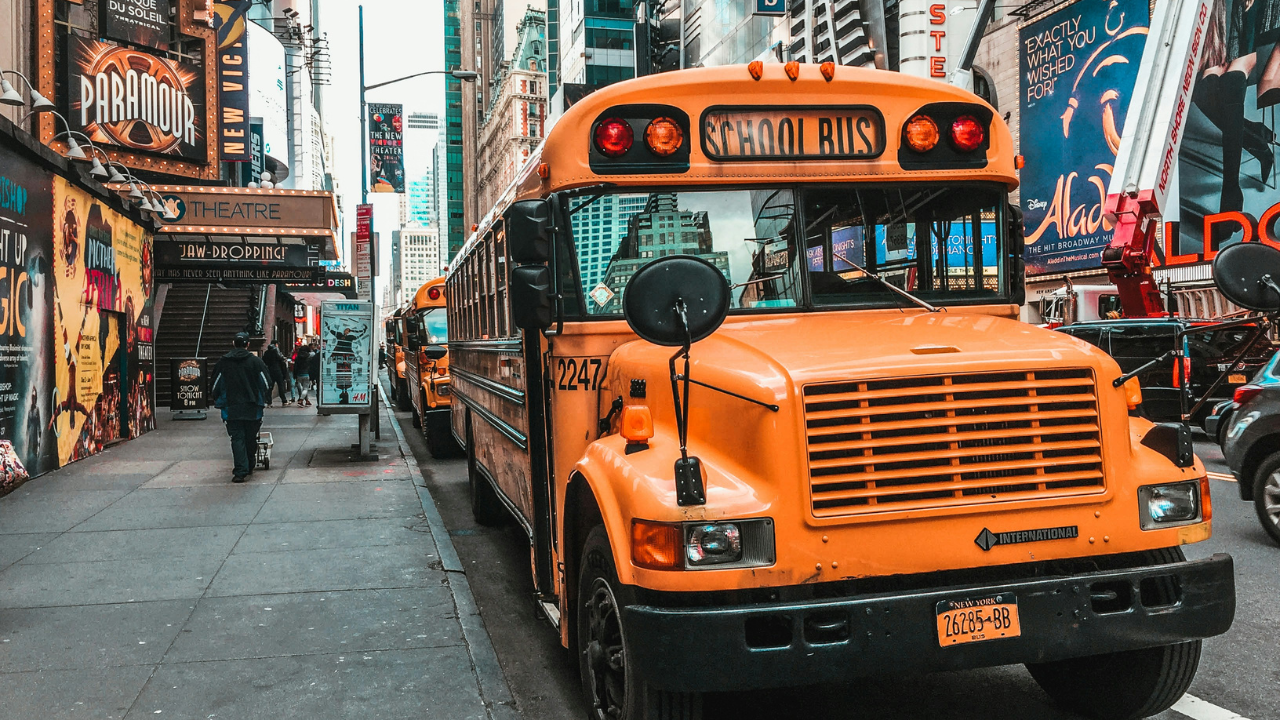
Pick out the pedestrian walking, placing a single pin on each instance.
(302, 373)
(313, 365)
(240, 389)
(278, 368)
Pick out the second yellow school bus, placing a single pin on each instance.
(871, 466)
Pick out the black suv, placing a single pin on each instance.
(1251, 444)
(1134, 342)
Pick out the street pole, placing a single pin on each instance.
(372, 418)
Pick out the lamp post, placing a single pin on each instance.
(463, 75)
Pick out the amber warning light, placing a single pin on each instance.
(663, 136)
(922, 133)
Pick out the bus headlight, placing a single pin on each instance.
(737, 544)
(1167, 505)
(713, 544)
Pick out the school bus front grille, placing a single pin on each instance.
(952, 440)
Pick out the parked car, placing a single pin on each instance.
(1251, 445)
(1135, 342)
(1218, 420)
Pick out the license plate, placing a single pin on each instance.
(978, 619)
(1237, 379)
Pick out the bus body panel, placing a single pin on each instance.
(428, 381)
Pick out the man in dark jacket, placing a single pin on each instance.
(278, 371)
(313, 364)
(240, 389)
(302, 373)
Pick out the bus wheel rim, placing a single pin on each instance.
(606, 657)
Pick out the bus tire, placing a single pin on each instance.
(417, 416)
(440, 436)
(486, 508)
(602, 647)
(1123, 685)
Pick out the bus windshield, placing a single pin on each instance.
(939, 243)
(433, 326)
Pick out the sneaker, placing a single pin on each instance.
(239, 478)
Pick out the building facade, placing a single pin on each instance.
(449, 169)
(516, 124)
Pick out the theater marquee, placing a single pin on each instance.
(148, 109)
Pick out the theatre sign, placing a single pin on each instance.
(245, 235)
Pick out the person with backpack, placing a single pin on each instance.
(240, 389)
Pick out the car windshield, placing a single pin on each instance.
(433, 327)
(940, 243)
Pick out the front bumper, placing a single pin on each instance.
(720, 648)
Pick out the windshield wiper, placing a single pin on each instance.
(887, 284)
(757, 281)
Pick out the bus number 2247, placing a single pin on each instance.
(578, 373)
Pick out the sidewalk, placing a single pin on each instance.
(143, 583)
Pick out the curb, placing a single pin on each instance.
(492, 682)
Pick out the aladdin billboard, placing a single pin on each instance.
(1078, 66)
(127, 98)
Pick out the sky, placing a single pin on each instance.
(402, 37)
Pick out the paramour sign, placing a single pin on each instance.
(189, 381)
(131, 99)
(785, 133)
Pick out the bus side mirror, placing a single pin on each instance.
(528, 227)
(1015, 266)
(531, 297)
(435, 352)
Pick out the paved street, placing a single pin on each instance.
(143, 583)
(1238, 673)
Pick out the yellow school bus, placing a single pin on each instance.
(427, 367)
(739, 351)
(393, 328)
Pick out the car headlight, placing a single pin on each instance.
(1167, 505)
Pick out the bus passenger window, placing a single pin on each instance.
(939, 243)
(749, 235)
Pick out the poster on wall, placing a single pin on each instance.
(26, 379)
(1078, 67)
(346, 349)
(233, 80)
(1226, 168)
(386, 148)
(102, 350)
(141, 22)
(127, 98)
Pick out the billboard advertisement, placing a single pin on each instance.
(1226, 168)
(346, 352)
(1078, 67)
(141, 22)
(267, 95)
(233, 81)
(102, 334)
(386, 148)
(26, 249)
(130, 99)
